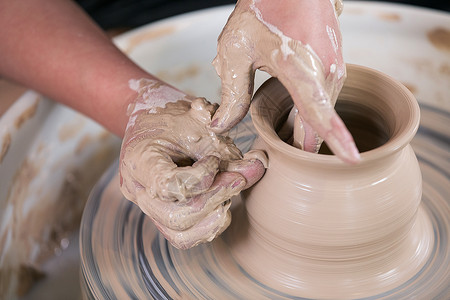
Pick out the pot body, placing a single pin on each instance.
(321, 228)
(339, 209)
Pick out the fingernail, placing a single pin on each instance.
(214, 122)
(352, 154)
(345, 149)
(342, 143)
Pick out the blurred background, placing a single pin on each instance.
(126, 14)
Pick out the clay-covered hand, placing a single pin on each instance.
(176, 169)
(299, 42)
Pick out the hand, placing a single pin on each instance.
(176, 169)
(299, 42)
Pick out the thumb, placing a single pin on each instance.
(237, 77)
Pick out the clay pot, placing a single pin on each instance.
(321, 228)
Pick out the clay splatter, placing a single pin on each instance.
(354, 11)
(440, 38)
(5, 146)
(180, 74)
(70, 130)
(148, 35)
(444, 69)
(27, 114)
(391, 17)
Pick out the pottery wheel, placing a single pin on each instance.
(124, 256)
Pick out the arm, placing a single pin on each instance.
(54, 48)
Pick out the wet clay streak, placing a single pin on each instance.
(39, 218)
(5, 146)
(391, 17)
(27, 114)
(18, 237)
(179, 75)
(440, 38)
(354, 11)
(148, 35)
(444, 69)
(85, 141)
(70, 130)
(88, 139)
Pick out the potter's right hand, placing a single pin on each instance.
(299, 42)
(166, 133)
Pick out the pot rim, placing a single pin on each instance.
(273, 89)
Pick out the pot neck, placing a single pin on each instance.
(396, 109)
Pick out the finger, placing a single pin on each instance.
(306, 86)
(205, 231)
(128, 185)
(329, 126)
(153, 168)
(312, 141)
(181, 216)
(252, 167)
(304, 136)
(235, 69)
(227, 149)
(183, 183)
(340, 140)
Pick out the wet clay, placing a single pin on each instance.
(5, 145)
(390, 17)
(145, 36)
(27, 114)
(440, 38)
(179, 75)
(34, 218)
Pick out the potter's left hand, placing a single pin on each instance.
(176, 169)
(299, 42)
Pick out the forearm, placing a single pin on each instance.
(53, 47)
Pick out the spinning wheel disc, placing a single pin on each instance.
(124, 255)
